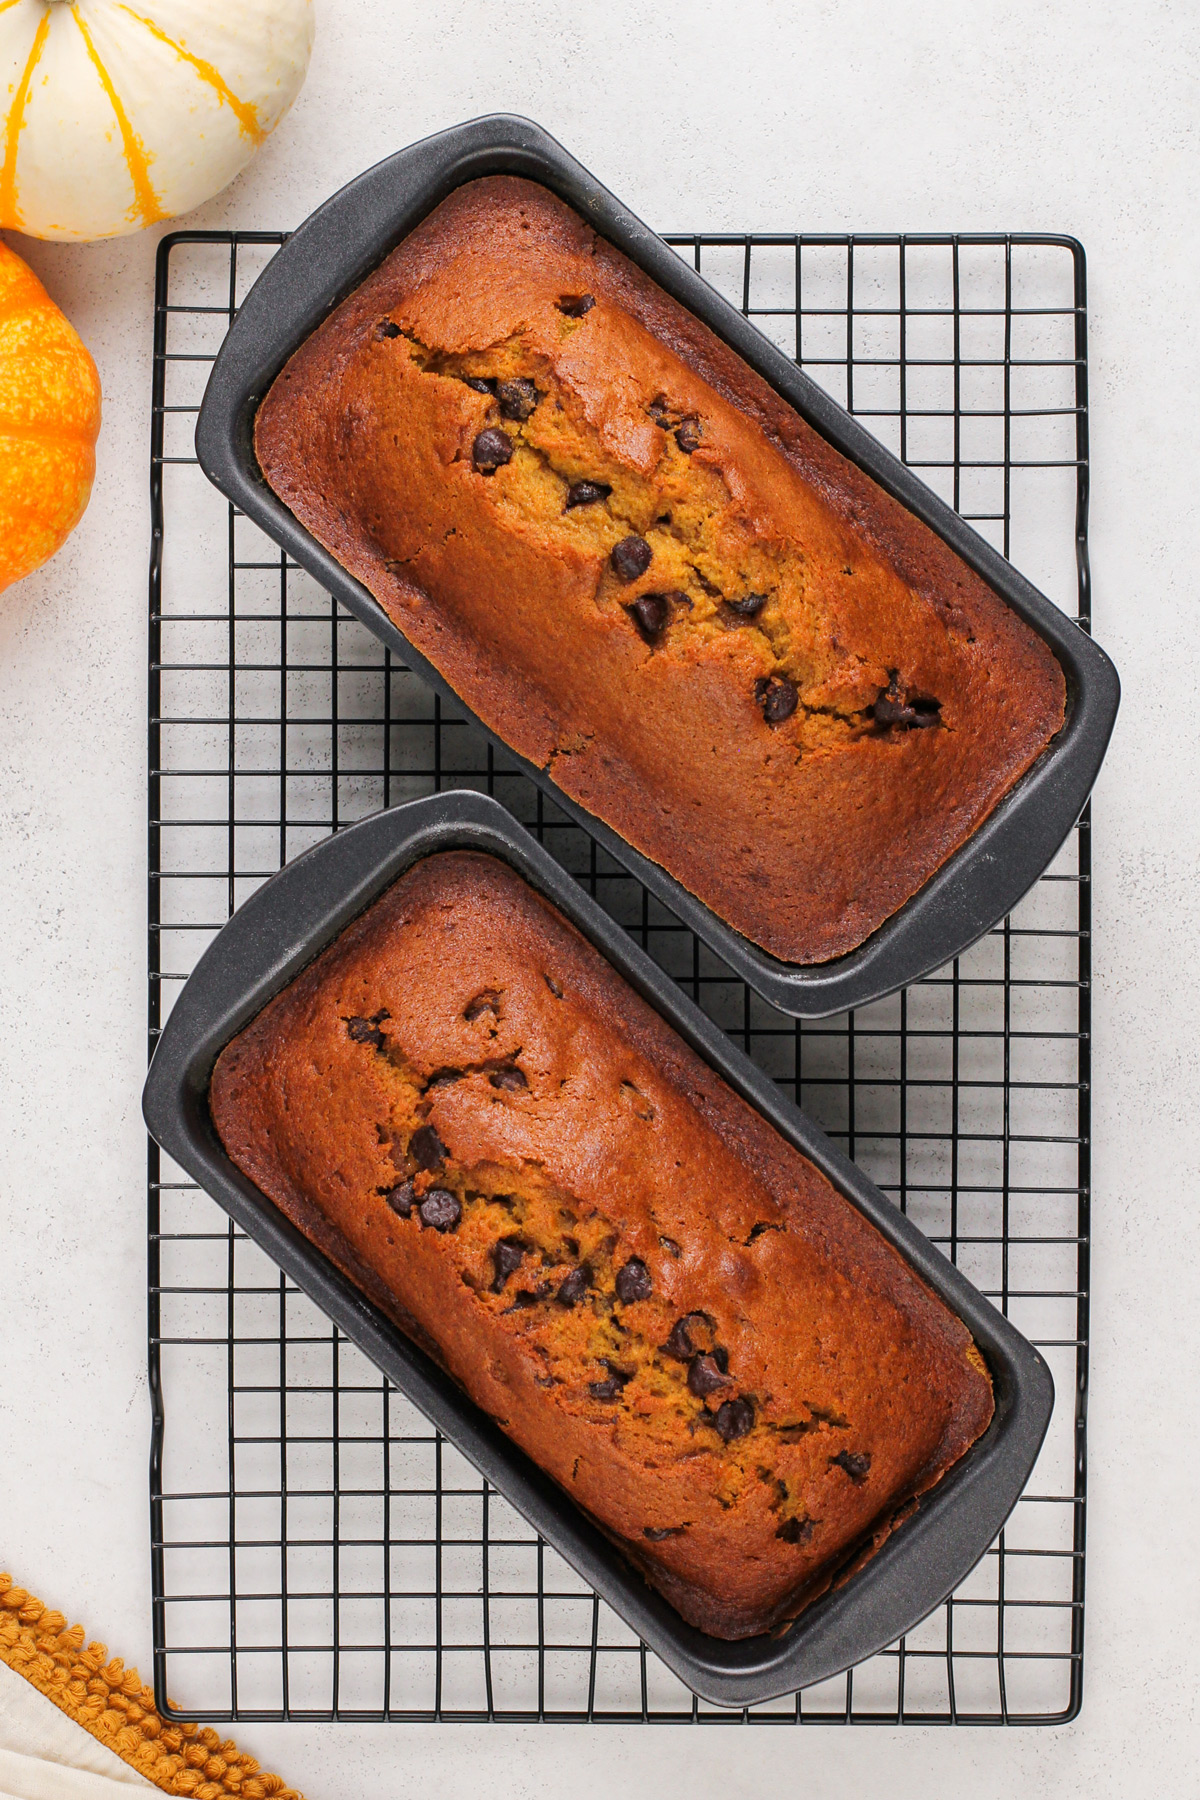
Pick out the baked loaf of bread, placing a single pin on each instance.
(649, 576)
(663, 1303)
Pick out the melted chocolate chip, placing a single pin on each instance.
(748, 607)
(679, 1344)
(575, 305)
(660, 412)
(574, 1288)
(426, 1148)
(487, 1000)
(705, 1376)
(480, 383)
(777, 696)
(491, 450)
(400, 1198)
(657, 1533)
(443, 1078)
(857, 1464)
(509, 1079)
(518, 398)
(366, 1031)
(388, 329)
(586, 493)
(611, 1388)
(440, 1209)
(734, 1419)
(671, 1247)
(795, 1531)
(631, 557)
(633, 1281)
(507, 1257)
(688, 435)
(915, 713)
(606, 1390)
(530, 1297)
(650, 613)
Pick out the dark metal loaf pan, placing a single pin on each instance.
(280, 929)
(339, 245)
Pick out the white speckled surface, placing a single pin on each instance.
(1070, 116)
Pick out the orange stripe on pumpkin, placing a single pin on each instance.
(146, 204)
(242, 110)
(9, 214)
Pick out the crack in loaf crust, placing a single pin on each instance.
(659, 1299)
(648, 575)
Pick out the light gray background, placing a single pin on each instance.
(1072, 115)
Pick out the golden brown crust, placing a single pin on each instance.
(804, 834)
(461, 1044)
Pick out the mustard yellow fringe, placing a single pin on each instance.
(110, 1701)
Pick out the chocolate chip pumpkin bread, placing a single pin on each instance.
(650, 577)
(660, 1300)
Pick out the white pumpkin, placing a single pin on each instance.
(120, 114)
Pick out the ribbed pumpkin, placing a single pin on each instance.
(118, 115)
(49, 420)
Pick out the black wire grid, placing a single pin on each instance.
(318, 1550)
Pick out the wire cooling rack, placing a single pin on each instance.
(318, 1550)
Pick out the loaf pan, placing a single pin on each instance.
(339, 245)
(288, 922)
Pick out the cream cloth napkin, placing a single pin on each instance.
(44, 1755)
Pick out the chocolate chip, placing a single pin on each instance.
(491, 450)
(734, 1419)
(633, 1281)
(575, 1286)
(610, 1389)
(660, 412)
(631, 557)
(480, 383)
(680, 1344)
(857, 1464)
(365, 1031)
(795, 1531)
(575, 305)
(487, 1000)
(426, 1148)
(650, 613)
(657, 1533)
(507, 1257)
(530, 1297)
(400, 1198)
(509, 1079)
(671, 1247)
(777, 696)
(440, 1209)
(553, 986)
(518, 398)
(915, 713)
(688, 435)
(388, 329)
(443, 1078)
(748, 607)
(586, 493)
(705, 1377)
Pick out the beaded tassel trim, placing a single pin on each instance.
(111, 1702)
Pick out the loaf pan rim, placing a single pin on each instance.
(281, 928)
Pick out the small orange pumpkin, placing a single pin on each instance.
(49, 421)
